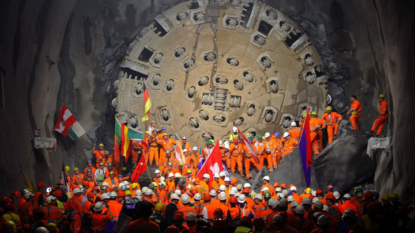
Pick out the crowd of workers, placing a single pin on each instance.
(101, 198)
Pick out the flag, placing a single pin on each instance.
(26, 180)
(248, 144)
(305, 149)
(125, 135)
(117, 142)
(179, 155)
(139, 169)
(68, 125)
(147, 104)
(145, 145)
(66, 184)
(213, 164)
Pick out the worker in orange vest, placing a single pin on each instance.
(315, 127)
(236, 152)
(183, 144)
(355, 111)
(52, 213)
(215, 182)
(332, 120)
(322, 125)
(260, 147)
(153, 152)
(99, 154)
(271, 145)
(89, 163)
(135, 152)
(112, 180)
(26, 209)
(89, 203)
(74, 206)
(78, 177)
(39, 197)
(289, 144)
(224, 151)
(259, 206)
(194, 157)
(380, 121)
(166, 143)
(186, 208)
(295, 132)
(100, 219)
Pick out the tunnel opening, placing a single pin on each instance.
(265, 28)
(145, 55)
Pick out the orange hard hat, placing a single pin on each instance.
(330, 196)
(276, 184)
(330, 187)
(172, 229)
(58, 193)
(218, 213)
(121, 193)
(233, 200)
(197, 180)
(41, 185)
(89, 195)
(38, 210)
(85, 183)
(258, 221)
(291, 185)
(245, 190)
(16, 194)
(178, 215)
(319, 192)
(283, 186)
(96, 188)
(234, 180)
(207, 197)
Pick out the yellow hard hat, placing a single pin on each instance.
(385, 197)
(101, 144)
(155, 184)
(147, 132)
(180, 164)
(304, 115)
(127, 192)
(112, 173)
(382, 96)
(354, 113)
(76, 169)
(165, 134)
(67, 168)
(124, 168)
(51, 227)
(8, 226)
(159, 207)
(394, 195)
(329, 108)
(307, 190)
(134, 185)
(314, 113)
(188, 171)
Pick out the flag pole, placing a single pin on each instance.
(89, 138)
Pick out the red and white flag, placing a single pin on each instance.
(250, 147)
(212, 165)
(179, 155)
(65, 121)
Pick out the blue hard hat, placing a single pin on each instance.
(89, 161)
(163, 128)
(277, 134)
(89, 170)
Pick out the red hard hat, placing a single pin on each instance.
(235, 140)
(4, 199)
(233, 200)
(330, 196)
(330, 187)
(319, 192)
(38, 210)
(89, 195)
(245, 190)
(368, 195)
(197, 180)
(207, 197)
(283, 186)
(41, 185)
(16, 194)
(58, 193)
(121, 193)
(96, 188)
(276, 184)
(234, 180)
(218, 213)
(9, 205)
(194, 192)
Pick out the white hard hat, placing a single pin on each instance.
(293, 124)
(336, 194)
(299, 209)
(105, 184)
(232, 192)
(227, 179)
(265, 189)
(174, 196)
(316, 199)
(222, 174)
(184, 138)
(138, 192)
(267, 134)
(347, 196)
(278, 189)
(185, 198)
(293, 188)
(139, 197)
(318, 205)
(234, 129)
(212, 193)
(185, 150)
(286, 134)
(258, 196)
(162, 179)
(194, 148)
(189, 186)
(222, 188)
(178, 192)
(294, 204)
(216, 175)
(241, 198)
(121, 186)
(326, 208)
(198, 197)
(149, 192)
(222, 196)
(144, 189)
(273, 203)
(157, 172)
(206, 176)
(247, 185)
(266, 178)
(306, 201)
(98, 206)
(113, 194)
(126, 187)
(50, 198)
(281, 195)
(126, 182)
(41, 230)
(105, 196)
(170, 175)
(220, 143)
(290, 198)
(77, 190)
(177, 175)
(237, 194)
(226, 145)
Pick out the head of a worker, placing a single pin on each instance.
(191, 220)
(163, 130)
(185, 152)
(265, 179)
(206, 178)
(153, 124)
(168, 154)
(313, 114)
(157, 173)
(216, 177)
(394, 197)
(101, 146)
(146, 209)
(165, 136)
(267, 136)
(353, 98)
(330, 199)
(235, 131)
(189, 173)
(120, 196)
(260, 138)
(329, 109)
(209, 144)
(349, 217)
(286, 136)
(112, 174)
(194, 150)
(257, 199)
(184, 139)
(381, 97)
(41, 187)
(178, 218)
(89, 163)
(76, 171)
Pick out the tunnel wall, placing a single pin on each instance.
(53, 53)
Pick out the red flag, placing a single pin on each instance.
(248, 144)
(212, 165)
(145, 146)
(65, 121)
(139, 169)
(305, 149)
(117, 156)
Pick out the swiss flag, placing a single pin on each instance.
(65, 121)
(212, 165)
(139, 169)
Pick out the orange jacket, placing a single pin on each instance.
(383, 110)
(186, 209)
(74, 204)
(167, 144)
(332, 118)
(93, 169)
(356, 106)
(115, 209)
(236, 150)
(78, 178)
(107, 172)
(87, 207)
(187, 146)
(36, 199)
(295, 133)
(111, 185)
(98, 155)
(259, 209)
(99, 221)
(289, 146)
(52, 213)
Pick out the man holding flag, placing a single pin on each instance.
(213, 164)
(250, 154)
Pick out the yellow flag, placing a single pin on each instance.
(27, 181)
